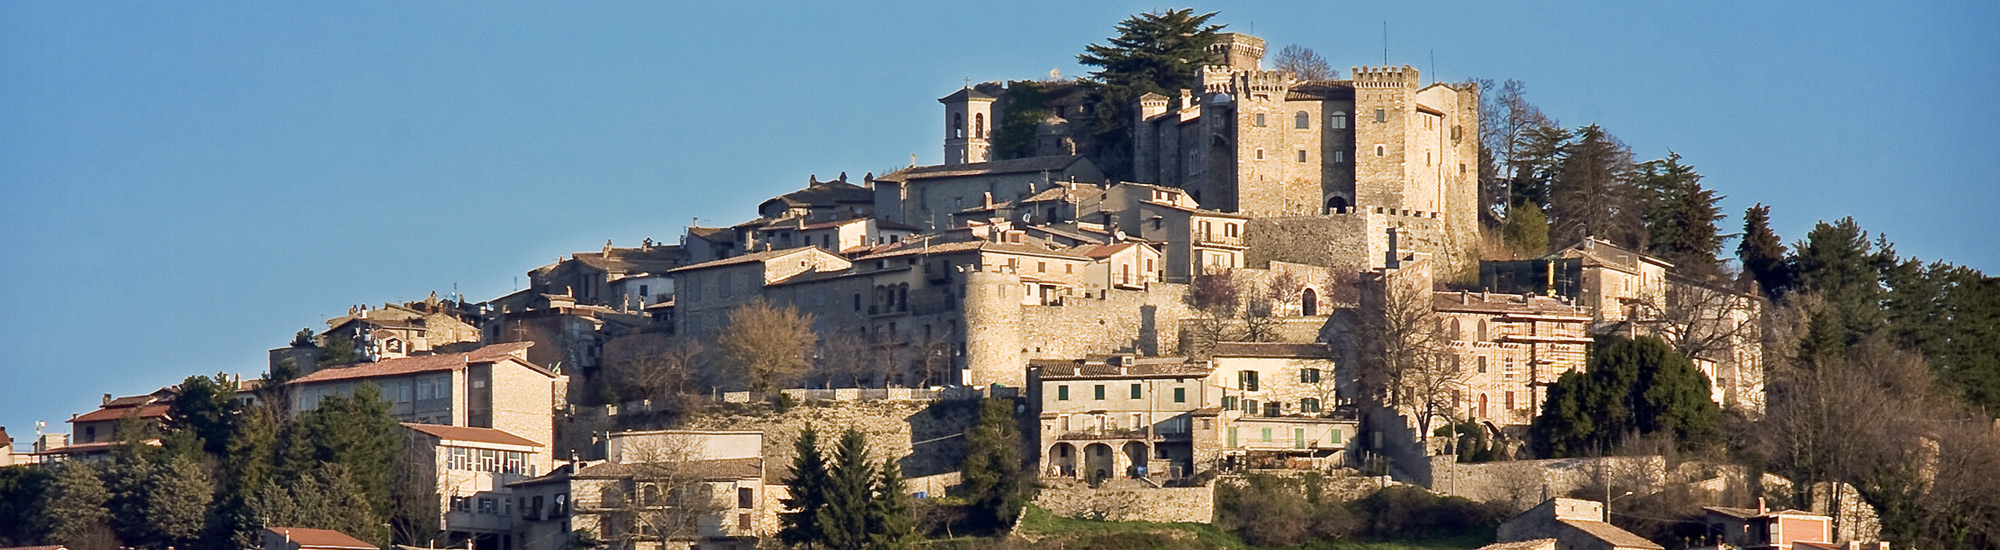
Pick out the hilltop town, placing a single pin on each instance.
(1274, 291)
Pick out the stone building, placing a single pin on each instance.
(471, 469)
(1278, 406)
(404, 330)
(1509, 347)
(925, 197)
(1264, 144)
(492, 387)
(1574, 524)
(628, 501)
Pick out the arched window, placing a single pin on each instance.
(1482, 406)
(1381, 150)
(1336, 204)
(1301, 120)
(979, 125)
(1309, 303)
(1456, 333)
(1482, 330)
(1337, 121)
(958, 125)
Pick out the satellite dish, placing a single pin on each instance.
(1027, 217)
(1118, 234)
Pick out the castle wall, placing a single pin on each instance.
(918, 434)
(1146, 322)
(1163, 504)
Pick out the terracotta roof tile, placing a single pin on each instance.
(1269, 349)
(713, 470)
(1010, 166)
(424, 363)
(321, 538)
(747, 258)
(115, 413)
(1612, 534)
(463, 433)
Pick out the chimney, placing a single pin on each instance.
(107, 400)
(986, 199)
(1760, 506)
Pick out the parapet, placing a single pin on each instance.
(1385, 77)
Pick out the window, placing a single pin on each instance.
(958, 125)
(487, 505)
(1302, 155)
(1180, 395)
(1249, 407)
(1267, 435)
(1481, 361)
(1510, 401)
(1062, 393)
(1381, 115)
(1381, 151)
(1340, 157)
(1274, 408)
(1135, 391)
(1229, 403)
(642, 291)
(1302, 120)
(1246, 380)
(1337, 121)
(979, 125)
(1041, 267)
(1309, 405)
(1309, 375)
(1260, 120)
(1260, 154)
(1100, 392)
(745, 498)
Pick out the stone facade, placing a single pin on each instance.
(1162, 504)
(924, 436)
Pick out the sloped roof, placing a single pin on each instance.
(915, 246)
(656, 259)
(321, 538)
(1530, 544)
(1611, 534)
(747, 258)
(424, 363)
(464, 433)
(713, 470)
(1054, 163)
(1270, 349)
(1498, 303)
(827, 193)
(1107, 250)
(1166, 367)
(713, 234)
(964, 94)
(1740, 513)
(115, 413)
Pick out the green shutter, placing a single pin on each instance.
(1135, 391)
(1229, 403)
(1298, 438)
(1100, 392)
(1267, 435)
(1232, 437)
(1062, 393)
(1180, 395)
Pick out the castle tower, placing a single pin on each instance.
(993, 320)
(968, 126)
(1239, 51)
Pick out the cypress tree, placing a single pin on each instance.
(1763, 254)
(799, 523)
(1837, 261)
(846, 517)
(1153, 52)
(893, 526)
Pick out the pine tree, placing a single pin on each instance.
(1837, 261)
(177, 500)
(1592, 195)
(1763, 254)
(204, 407)
(1680, 215)
(356, 432)
(131, 465)
(894, 527)
(21, 492)
(799, 523)
(1153, 52)
(845, 518)
(74, 508)
(1537, 159)
(992, 473)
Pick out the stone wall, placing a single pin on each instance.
(1162, 504)
(1146, 322)
(1527, 482)
(1357, 240)
(925, 437)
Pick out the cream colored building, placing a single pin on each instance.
(628, 501)
(491, 387)
(1510, 348)
(472, 469)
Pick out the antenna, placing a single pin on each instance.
(1385, 43)
(1434, 66)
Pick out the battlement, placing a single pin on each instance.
(1385, 77)
(1239, 50)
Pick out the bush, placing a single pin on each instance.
(1404, 511)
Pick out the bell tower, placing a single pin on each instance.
(968, 126)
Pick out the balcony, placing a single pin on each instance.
(1217, 239)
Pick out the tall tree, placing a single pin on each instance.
(1304, 63)
(21, 492)
(1633, 386)
(177, 500)
(1526, 230)
(1158, 52)
(807, 487)
(1764, 258)
(74, 508)
(894, 527)
(205, 406)
(1592, 194)
(1507, 120)
(1680, 215)
(1838, 262)
(1405, 353)
(1535, 162)
(994, 480)
(131, 465)
(845, 519)
(355, 432)
(768, 345)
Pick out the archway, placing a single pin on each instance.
(1062, 460)
(1335, 205)
(1097, 461)
(1309, 303)
(1135, 454)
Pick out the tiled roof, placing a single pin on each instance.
(1611, 534)
(832, 223)
(915, 246)
(713, 234)
(321, 538)
(713, 470)
(1078, 369)
(1010, 166)
(657, 259)
(463, 433)
(1496, 303)
(1530, 544)
(827, 193)
(115, 413)
(748, 258)
(1742, 513)
(1107, 250)
(424, 363)
(964, 94)
(1269, 349)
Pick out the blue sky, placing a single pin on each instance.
(184, 185)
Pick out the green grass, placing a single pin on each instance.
(1092, 533)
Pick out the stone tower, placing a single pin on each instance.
(993, 329)
(1239, 51)
(968, 123)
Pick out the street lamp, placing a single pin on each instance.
(1608, 499)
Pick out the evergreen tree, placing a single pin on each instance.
(894, 527)
(1763, 254)
(1153, 52)
(1026, 106)
(21, 493)
(1526, 231)
(250, 451)
(74, 510)
(1951, 315)
(1536, 160)
(1592, 195)
(992, 475)
(125, 477)
(799, 523)
(356, 432)
(177, 500)
(205, 407)
(1632, 386)
(1838, 262)
(845, 519)
(1680, 215)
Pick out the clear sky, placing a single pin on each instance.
(184, 185)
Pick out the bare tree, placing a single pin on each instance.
(663, 490)
(660, 369)
(768, 345)
(1215, 298)
(1304, 63)
(845, 356)
(1407, 362)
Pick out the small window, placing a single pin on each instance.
(1249, 407)
(1381, 115)
(979, 125)
(1260, 120)
(1180, 395)
(1062, 393)
(1337, 121)
(1302, 155)
(1309, 405)
(1260, 154)
(1309, 375)
(1302, 120)
(1480, 364)
(745, 498)
(1246, 380)
(1229, 403)
(1041, 267)
(1340, 157)
(1100, 392)
(958, 125)
(1381, 151)
(1136, 391)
